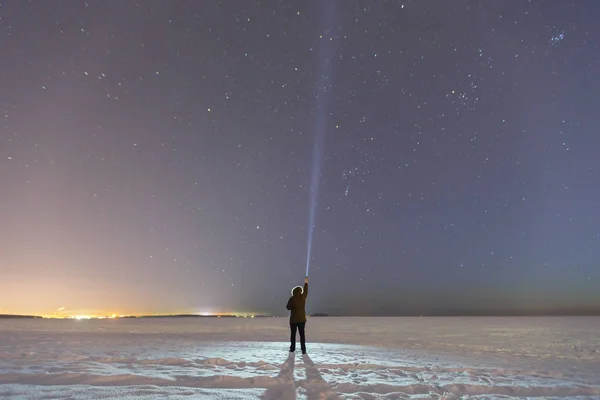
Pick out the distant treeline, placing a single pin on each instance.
(470, 313)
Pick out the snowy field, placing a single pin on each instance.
(348, 358)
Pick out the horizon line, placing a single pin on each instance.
(420, 313)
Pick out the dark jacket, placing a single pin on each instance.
(297, 305)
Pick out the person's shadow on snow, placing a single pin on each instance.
(285, 388)
(312, 373)
(316, 387)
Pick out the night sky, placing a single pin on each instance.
(159, 156)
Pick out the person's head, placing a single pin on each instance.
(297, 291)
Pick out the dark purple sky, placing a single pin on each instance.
(156, 156)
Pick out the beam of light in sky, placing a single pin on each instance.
(325, 52)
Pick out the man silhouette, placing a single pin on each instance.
(297, 305)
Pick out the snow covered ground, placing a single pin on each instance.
(348, 358)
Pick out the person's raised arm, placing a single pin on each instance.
(305, 291)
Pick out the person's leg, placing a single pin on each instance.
(301, 327)
(293, 328)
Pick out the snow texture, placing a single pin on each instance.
(348, 358)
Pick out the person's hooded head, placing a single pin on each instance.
(297, 291)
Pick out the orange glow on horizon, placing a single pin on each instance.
(80, 317)
(84, 316)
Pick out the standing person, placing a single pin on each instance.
(297, 305)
